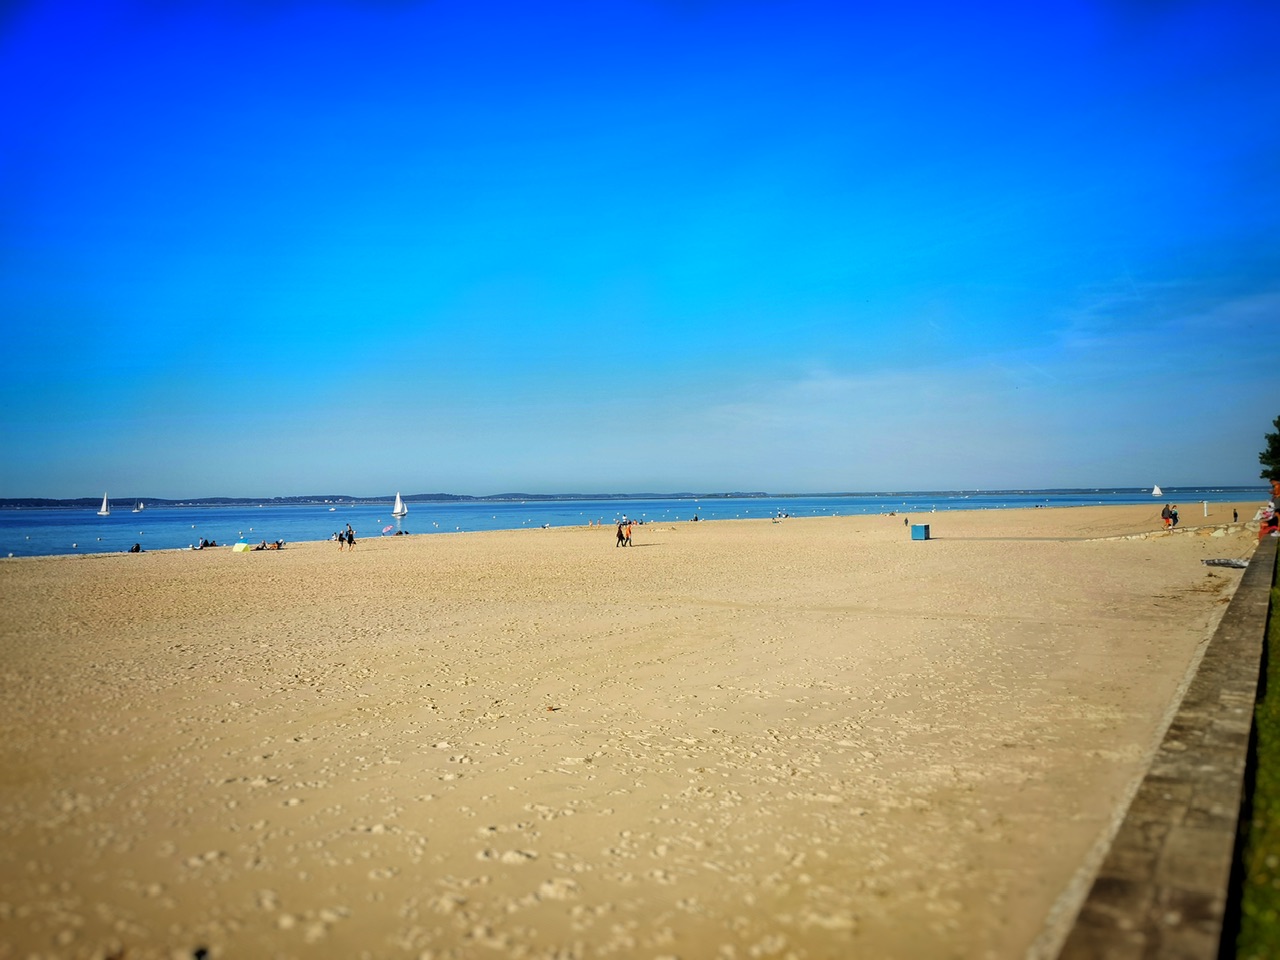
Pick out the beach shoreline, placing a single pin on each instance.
(39, 532)
(809, 738)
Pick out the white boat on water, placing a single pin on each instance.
(140, 507)
(105, 509)
(399, 510)
(1155, 492)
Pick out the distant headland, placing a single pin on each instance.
(334, 499)
(34, 503)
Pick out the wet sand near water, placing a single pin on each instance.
(815, 738)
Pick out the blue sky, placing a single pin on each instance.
(275, 248)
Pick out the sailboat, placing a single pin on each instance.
(140, 507)
(105, 510)
(1155, 492)
(399, 510)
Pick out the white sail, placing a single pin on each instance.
(105, 510)
(1155, 492)
(399, 510)
(140, 507)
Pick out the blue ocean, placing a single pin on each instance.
(42, 532)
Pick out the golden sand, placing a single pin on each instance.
(740, 739)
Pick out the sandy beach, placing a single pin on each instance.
(809, 739)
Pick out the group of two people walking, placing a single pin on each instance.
(346, 538)
(624, 533)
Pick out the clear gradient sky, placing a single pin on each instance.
(276, 248)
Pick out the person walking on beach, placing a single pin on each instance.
(1167, 516)
(351, 538)
(342, 540)
(628, 533)
(621, 537)
(1173, 517)
(1235, 516)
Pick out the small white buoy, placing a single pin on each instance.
(75, 546)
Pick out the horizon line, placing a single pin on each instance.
(670, 495)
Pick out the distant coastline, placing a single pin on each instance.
(45, 503)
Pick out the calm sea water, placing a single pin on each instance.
(26, 533)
